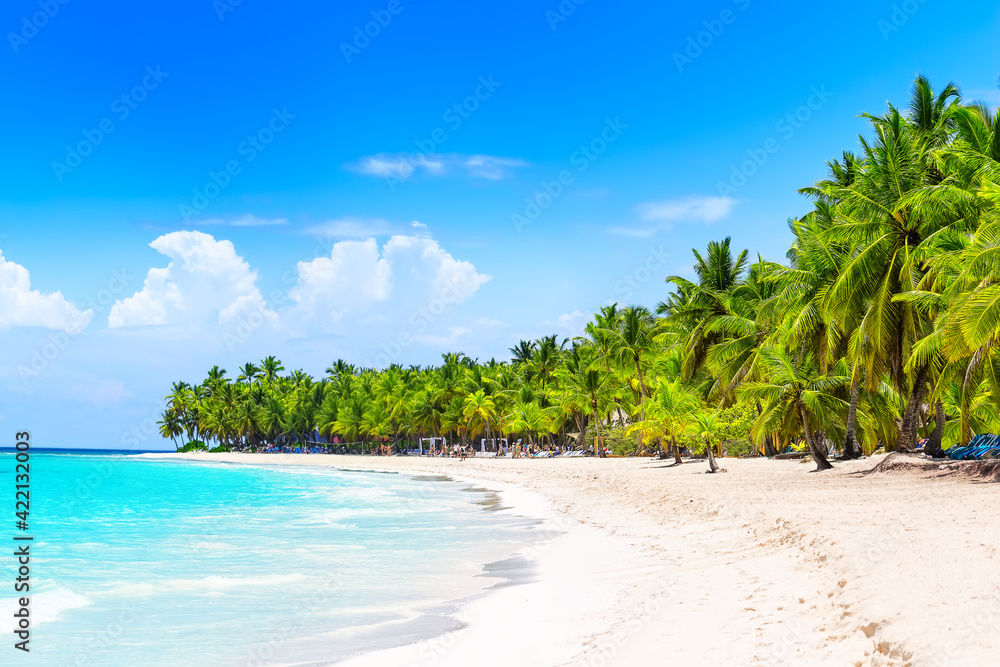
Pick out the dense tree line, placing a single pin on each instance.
(877, 332)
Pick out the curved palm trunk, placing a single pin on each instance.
(851, 448)
(676, 450)
(933, 447)
(712, 465)
(817, 456)
(907, 440)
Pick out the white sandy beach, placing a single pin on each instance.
(766, 564)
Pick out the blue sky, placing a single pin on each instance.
(366, 216)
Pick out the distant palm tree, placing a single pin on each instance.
(522, 351)
(270, 367)
(632, 344)
(170, 427)
(479, 412)
(248, 372)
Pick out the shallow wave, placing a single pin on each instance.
(247, 558)
(209, 584)
(45, 607)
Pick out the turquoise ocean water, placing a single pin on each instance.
(143, 562)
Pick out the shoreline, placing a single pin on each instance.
(766, 564)
(545, 572)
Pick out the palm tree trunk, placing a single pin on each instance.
(597, 426)
(851, 448)
(908, 428)
(642, 382)
(713, 467)
(817, 456)
(677, 450)
(769, 447)
(933, 447)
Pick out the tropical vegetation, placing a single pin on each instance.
(877, 332)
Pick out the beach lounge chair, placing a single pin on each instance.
(983, 445)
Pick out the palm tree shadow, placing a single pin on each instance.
(673, 465)
(976, 472)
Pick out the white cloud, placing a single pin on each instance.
(103, 394)
(401, 166)
(661, 214)
(205, 282)
(249, 220)
(21, 306)
(444, 341)
(490, 167)
(377, 286)
(354, 228)
(353, 277)
(687, 209)
(571, 323)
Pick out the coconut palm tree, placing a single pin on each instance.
(632, 345)
(479, 411)
(523, 351)
(704, 301)
(797, 398)
(170, 427)
(892, 231)
(269, 369)
(248, 372)
(704, 429)
(671, 411)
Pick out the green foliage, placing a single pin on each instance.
(732, 429)
(889, 302)
(194, 446)
(617, 440)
